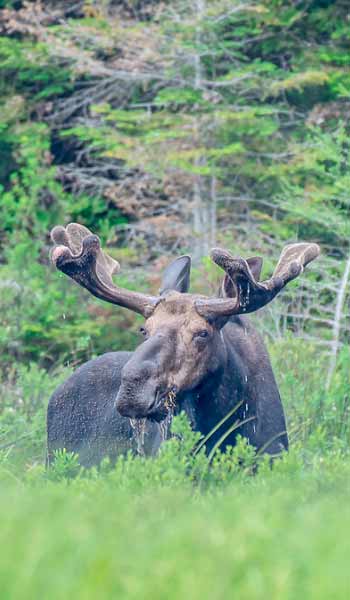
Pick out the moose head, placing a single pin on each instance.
(183, 344)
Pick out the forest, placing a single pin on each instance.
(170, 127)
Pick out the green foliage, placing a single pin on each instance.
(65, 466)
(31, 203)
(198, 508)
(318, 423)
(28, 69)
(311, 409)
(255, 96)
(43, 326)
(24, 392)
(33, 190)
(143, 530)
(195, 545)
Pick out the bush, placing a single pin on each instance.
(24, 394)
(301, 372)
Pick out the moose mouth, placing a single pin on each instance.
(163, 404)
(163, 408)
(154, 405)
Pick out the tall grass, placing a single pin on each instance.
(145, 530)
(175, 527)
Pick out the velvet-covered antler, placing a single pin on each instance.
(250, 295)
(78, 254)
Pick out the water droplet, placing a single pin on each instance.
(139, 426)
(164, 426)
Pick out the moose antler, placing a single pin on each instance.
(78, 254)
(250, 295)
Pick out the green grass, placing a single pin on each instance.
(281, 534)
(173, 527)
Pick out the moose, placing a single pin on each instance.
(199, 355)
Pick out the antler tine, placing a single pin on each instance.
(249, 294)
(78, 254)
(293, 259)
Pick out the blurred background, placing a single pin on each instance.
(170, 127)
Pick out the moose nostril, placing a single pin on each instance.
(123, 408)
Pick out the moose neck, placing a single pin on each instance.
(210, 402)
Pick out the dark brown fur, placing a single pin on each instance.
(83, 416)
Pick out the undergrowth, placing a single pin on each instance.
(180, 524)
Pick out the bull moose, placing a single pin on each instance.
(199, 354)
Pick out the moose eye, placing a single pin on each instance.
(202, 334)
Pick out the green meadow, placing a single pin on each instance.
(177, 526)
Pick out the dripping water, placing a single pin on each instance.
(164, 426)
(138, 427)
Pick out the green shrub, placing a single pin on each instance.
(301, 372)
(24, 394)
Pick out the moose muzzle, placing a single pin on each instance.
(143, 389)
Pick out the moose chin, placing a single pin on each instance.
(199, 355)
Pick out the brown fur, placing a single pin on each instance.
(176, 318)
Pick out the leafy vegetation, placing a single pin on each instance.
(174, 525)
(153, 528)
(135, 117)
(281, 533)
(169, 127)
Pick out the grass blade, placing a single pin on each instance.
(235, 426)
(217, 426)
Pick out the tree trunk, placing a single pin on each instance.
(201, 219)
(337, 322)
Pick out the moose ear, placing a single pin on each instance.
(255, 264)
(228, 289)
(177, 276)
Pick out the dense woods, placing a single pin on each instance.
(170, 127)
